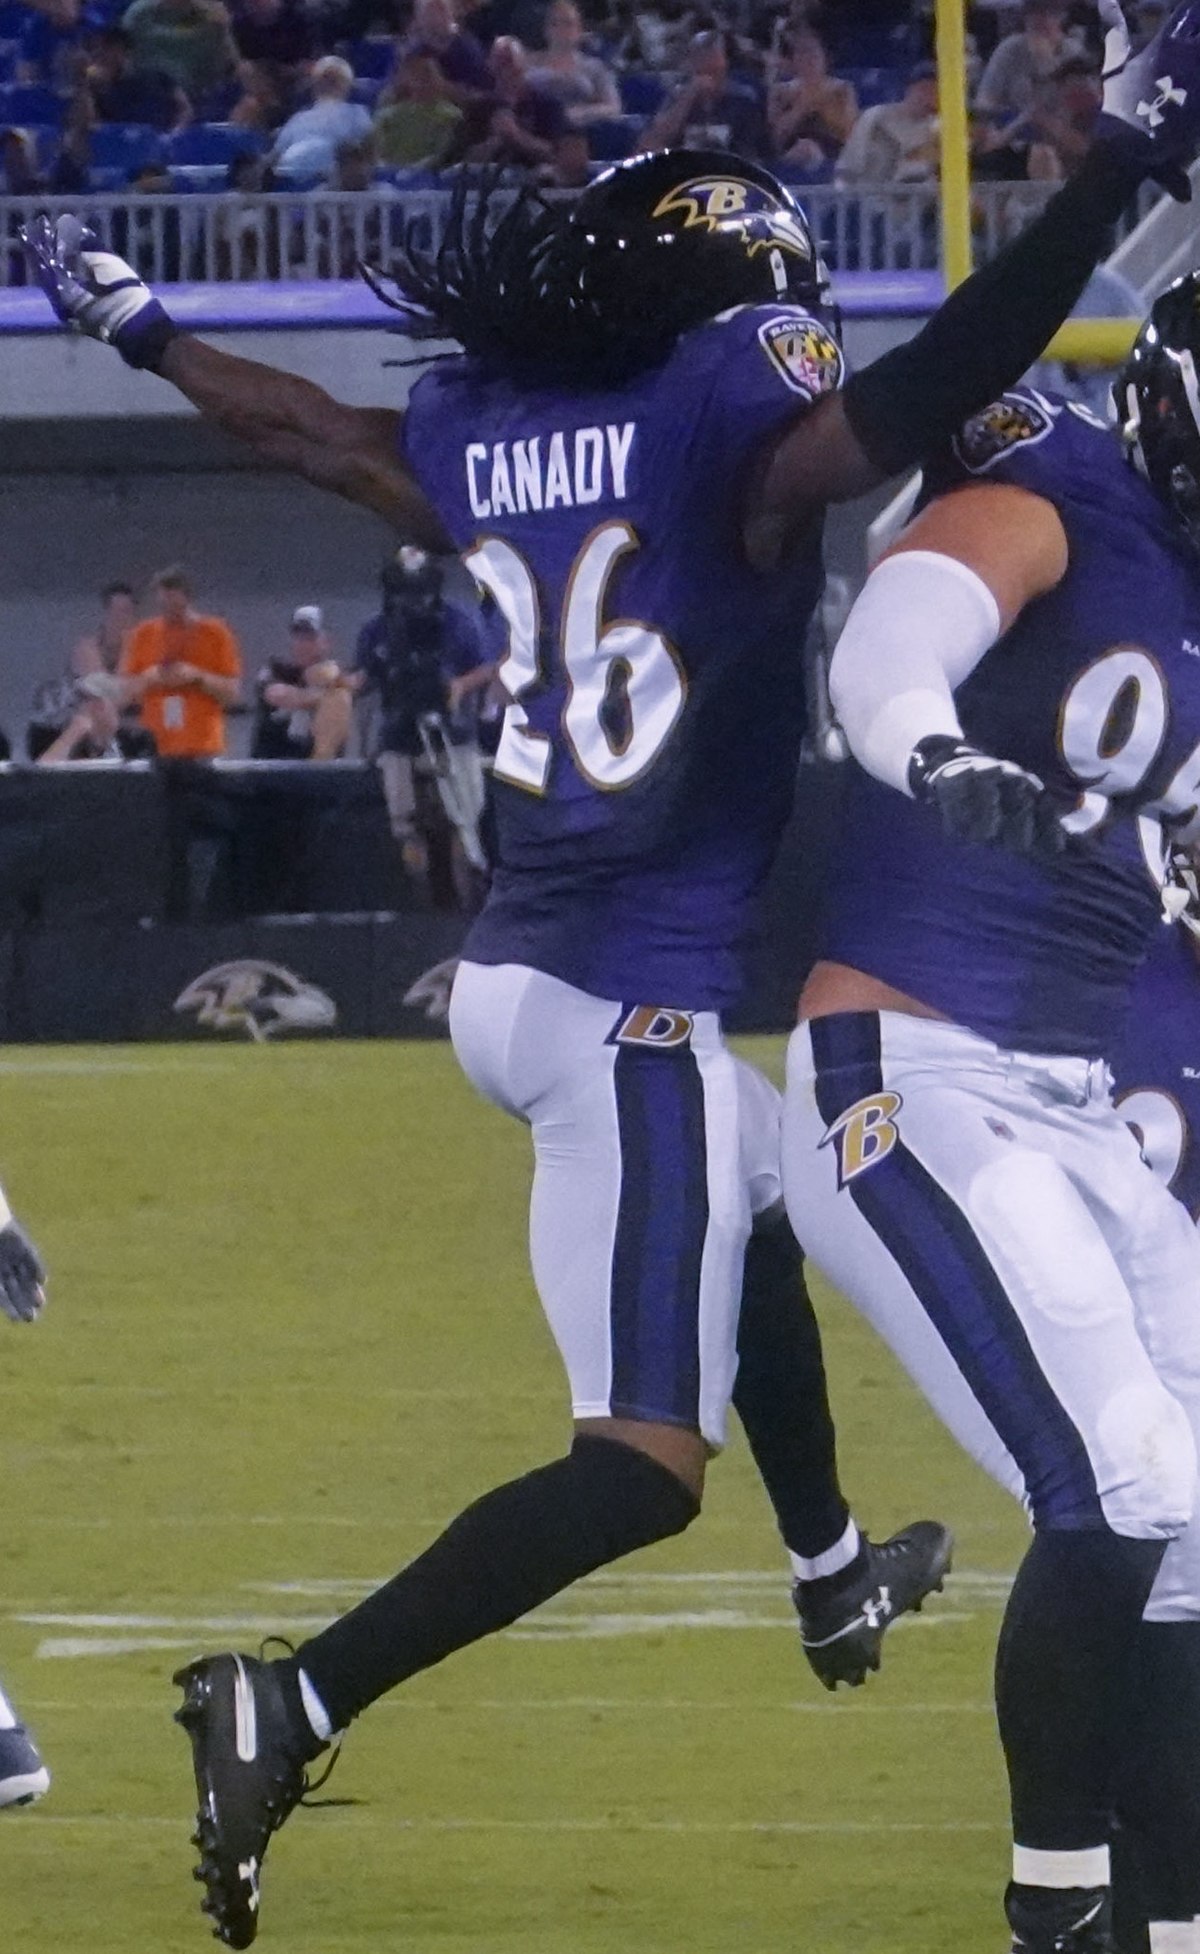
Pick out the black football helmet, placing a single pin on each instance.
(1157, 394)
(661, 243)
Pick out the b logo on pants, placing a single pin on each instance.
(649, 1024)
(864, 1134)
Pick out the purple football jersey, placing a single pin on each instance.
(1096, 689)
(647, 763)
(1157, 1066)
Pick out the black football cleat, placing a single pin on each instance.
(23, 1776)
(1071, 1920)
(844, 1618)
(249, 1754)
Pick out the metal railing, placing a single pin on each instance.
(227, 236)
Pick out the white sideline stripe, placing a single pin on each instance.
(774, 1578)
(687, 1827)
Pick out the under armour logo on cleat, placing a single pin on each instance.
(1168, 96)
(248, 1870)
(878, 1608)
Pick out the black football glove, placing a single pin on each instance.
(981, 798)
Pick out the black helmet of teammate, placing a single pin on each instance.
(664, 242)
(1157, 394)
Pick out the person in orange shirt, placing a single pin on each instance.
(184, 671)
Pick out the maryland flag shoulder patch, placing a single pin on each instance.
(804, 353)
(1013, 421)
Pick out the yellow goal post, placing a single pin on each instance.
(1084, 342)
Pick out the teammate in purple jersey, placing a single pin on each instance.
(634, 455)
(1157, 1064)
(1020, 669)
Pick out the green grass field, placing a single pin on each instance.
(291, 1332)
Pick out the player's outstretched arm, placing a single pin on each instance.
(988, 332)
(22, 1276)
(928, 613)
(293, 425)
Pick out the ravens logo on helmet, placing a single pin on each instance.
(1157, 395)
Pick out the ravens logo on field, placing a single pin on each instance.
(1014, 421)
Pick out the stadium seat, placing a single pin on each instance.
(875, 85)
(642, 94)
(214, 142)
(612, 141)
(202, 177)
(8, 60)
(125, 145)
(21, 105)
(372, 59)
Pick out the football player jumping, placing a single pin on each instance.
(633, 457)
(1020, 669)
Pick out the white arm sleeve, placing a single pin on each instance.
(920, 627)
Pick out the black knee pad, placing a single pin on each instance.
(624, 1497)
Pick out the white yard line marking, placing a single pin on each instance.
(686, 1827)
(564, 1705)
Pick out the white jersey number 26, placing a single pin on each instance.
(624, 663)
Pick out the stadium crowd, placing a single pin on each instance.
(176, 95)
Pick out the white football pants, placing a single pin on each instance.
(654, 1147)
(990, 1214)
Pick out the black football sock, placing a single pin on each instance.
(781, 1395)
(1158, 1793)
(1063, 1668)
(510, 1551)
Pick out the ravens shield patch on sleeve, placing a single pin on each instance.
(804, 353)
(1013, 421)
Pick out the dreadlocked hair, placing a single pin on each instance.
(491, 283)
(509, 281)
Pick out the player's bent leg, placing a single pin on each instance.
(23, 1776)
(922, 1176)
(637, 1234)
(1156, 1858)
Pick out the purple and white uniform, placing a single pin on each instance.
(966, 1179)
(1157, 1065)
(643, 778)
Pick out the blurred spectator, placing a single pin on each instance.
(19, 175)
(265, 98)
(709, 110)
(518, 124)
(310, 139)
(279, 34)
(101, 650)
(658, 35)
(113, 90)
(809, 111)
(896, 142)
(416, 123)
(184, 671)
(94, 730)
(303, 700)
(584, 86)
(189, 40)
(420, 656)
(345, 236)
(459, 57)
(152, 240)
(247, 243)
(1027, 57)
(571, 165)
(97, 653)
(48, 41)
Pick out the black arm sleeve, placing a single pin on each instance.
(995, 325)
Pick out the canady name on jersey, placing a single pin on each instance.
(561, 470)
